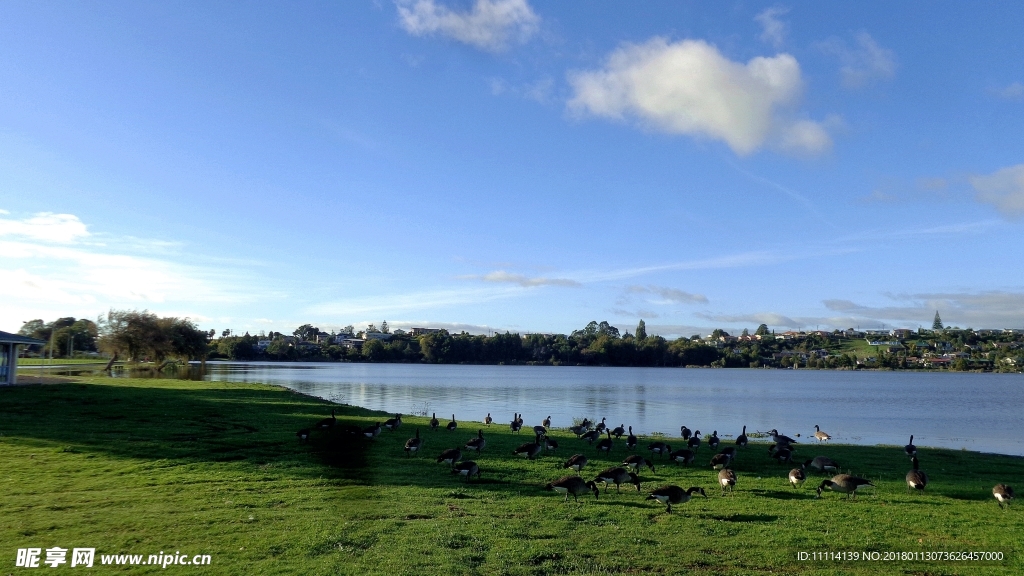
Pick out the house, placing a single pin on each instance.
(423, 331)
(901, 333)
(376, 336)
(356, 343)
(9, 355)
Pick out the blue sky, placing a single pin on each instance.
(513, 165)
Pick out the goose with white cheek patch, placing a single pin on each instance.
(844, 484)
(618, 476)
(476, 444)
(412, 445)
(573, 485)
(467, 469)
(669, 495)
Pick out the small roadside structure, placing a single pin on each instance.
(9, 355)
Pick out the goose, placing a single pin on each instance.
(605, 445)
(796, 477)
(434, 422)
(591, 436)
(326, 422)
(392, 424)
(683, 456)
(783, 455)
(618, 431)
(741, 440)
(488, 419)
(550, 443)
(684, 432)
(780, 439)
(713, 440)
(547, 422)
(1003, 494)
(586, 424)
(601, 425)
(730, 451)
(916, 478)
(578, 430)
(617, 476)
(413, 444)
(573, 485)
(727, 478)
(303, 435)
(519, 419)
(453, 424)
(450, 456)
(695, 441)
(719, 461)
(540, 430)
(631, 440)
(371, 432)
(669, 495)
(530, 450)
(844, 483)
(634, 462)
(910, 449)
(659, 448)
(822, 464)
(821, 436)
(467, 469)
(515, 426)
(576, 462)
(477, 443)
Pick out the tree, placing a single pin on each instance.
(133, 334)
(384, 327)
(641, 330)
(745, 332)
(762, 330)
(937, 323)
(306, 332)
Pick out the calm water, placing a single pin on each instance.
(983, 412)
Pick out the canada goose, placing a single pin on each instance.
(550, 443)
(433, 422)
(576, 462)
(910, 449)
(519, 419)
(515, 425)
(741, 440)
(783, 455)
(727, 478)
(659, 448)
(573, 485)
(540, 430)
(669, 495)
(605, 445)
(578, 430)
(635, 462)
(916, 478)
(631, 440)
(586, 423)
(780, 439)
(695, 441)
(617, 476)
(683, 456)
(371, 432)
(530, 450)
(684, 432)
(713, 440)
(453, 424)
(796, 477)
(303, 435)
(729, 451)
(618, 431)
(1003, 494)
(601, 425)
(450, 456)
(326, 422)
(547, 422)
(822, 464)
(413, 444)
(821, 436)
(477, 443)
(844, 483)
(467, 469)
(392, 424)
(591, 436)
(719, 461)
(488, 419)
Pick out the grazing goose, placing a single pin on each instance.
(467, 469)
(821, 436)
(822, 464)
(601, 425)
(453, 424)
(618, 431)
(669, 495)
(591, 436)
(719, 461)
(605, 445)
(634, 462)
(576, 462)
(783, 455)
(727, 478)
(780, 439)
(488, 419)
(916, 478)
(618, 476)
(586, 424)
(547, 422)
(413, 444)
(371, 432)
(1003, 494)
(515, 425)
(713, 440)
(392, 424)
(578, 430)
(910, 449)
(450, 456)
(573, 485)
(550, 443)
(303, 435)
(540, 430)
(730, 451)
(796, 477)
(844, 483)
(477, 444)
(741, 440)
(683, 456)
(530, 450)
(695, 441)
(684, 432)
(326, 422)
(434, 422)
(659, 448)
(631, 440)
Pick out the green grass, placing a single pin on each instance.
(142, 466)
(60, 361)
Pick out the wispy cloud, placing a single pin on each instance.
(45, 227)
(1003, 189)
(490, 25)
(1014, 91)
(991, 309)
(669, 295)
(773, 30)
(863, 64)
(503, 277)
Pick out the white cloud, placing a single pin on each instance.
(1013, 91)
(991, 309)
(490, 25)
(773, 29)
(1003, 189)
(45, 227)
(863, 65)
(689, 87)
(670, 295)
(500, 276)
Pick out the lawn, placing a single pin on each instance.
(140, 466)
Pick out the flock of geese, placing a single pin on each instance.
(602, 438)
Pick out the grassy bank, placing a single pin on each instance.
(143, 466)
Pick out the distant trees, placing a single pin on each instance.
(937, 323)
(65, 335)
(762, 330)
(136, 335)
(641, 330)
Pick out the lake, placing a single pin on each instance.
(982, 412)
